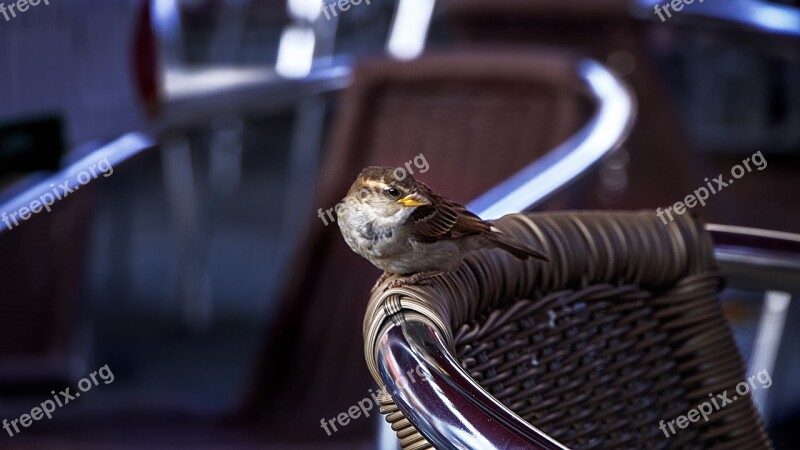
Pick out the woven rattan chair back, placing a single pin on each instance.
(621, 330)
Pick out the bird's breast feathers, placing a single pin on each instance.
(370, 236)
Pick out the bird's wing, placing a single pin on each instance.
(444, 219)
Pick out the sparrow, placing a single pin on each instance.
(406, 229)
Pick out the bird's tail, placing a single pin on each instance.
(516, 248)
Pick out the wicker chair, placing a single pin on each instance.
(621, 330)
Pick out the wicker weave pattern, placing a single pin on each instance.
(620, 331)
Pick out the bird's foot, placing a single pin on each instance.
(420, 278)
(384, 276)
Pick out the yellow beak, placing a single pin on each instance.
(412, 200)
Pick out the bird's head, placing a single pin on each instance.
(387, 194)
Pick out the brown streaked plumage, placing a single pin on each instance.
(405, 228)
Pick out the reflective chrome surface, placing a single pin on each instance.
(554, 171)
(758, 15)
(245, 90)
(410, 27)
(194, 94)
(768, 342)
(447, 407)
(757, 259)
(115, 151)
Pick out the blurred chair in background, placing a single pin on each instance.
(42, 266)
(42, 322)
(219, 88)
(656, 160)
(734, 68)
(714, 55)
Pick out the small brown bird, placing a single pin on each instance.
(404, 228)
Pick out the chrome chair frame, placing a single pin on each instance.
(29, 189)
(221, 95)
(554, 171)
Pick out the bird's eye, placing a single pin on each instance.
(393, 192)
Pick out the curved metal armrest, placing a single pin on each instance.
(115, 152)
(466, 416)
(756, 15)
(196, 95)
(752, 258)
(554, 171)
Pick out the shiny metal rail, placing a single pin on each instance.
(754, 15)
(756, 259)
(759, 260)
(29, 190)
(554, 171)
(449, 408)
(194, 96)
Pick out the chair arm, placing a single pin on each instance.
(467, 417)
(752, 258)
(605, 131)
(116, 152)
(194, 96)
